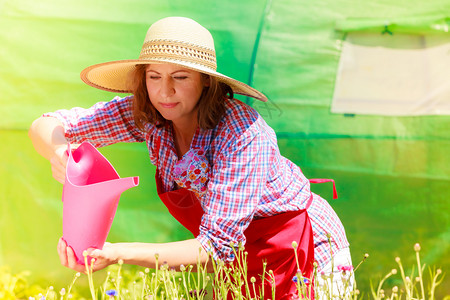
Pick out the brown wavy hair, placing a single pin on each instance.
(211, 105)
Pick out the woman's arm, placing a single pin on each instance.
(174, 254)
(47, 136)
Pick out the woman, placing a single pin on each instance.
(213, 153)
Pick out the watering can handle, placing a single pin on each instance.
(323, 180)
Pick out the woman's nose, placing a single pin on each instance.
(167, 88)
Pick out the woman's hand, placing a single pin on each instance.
(103, 258)
(48, 137)
(58, 162)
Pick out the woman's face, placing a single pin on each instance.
(174, 91)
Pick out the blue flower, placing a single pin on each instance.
(111, 293)
(295, 279)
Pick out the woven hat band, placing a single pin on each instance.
(179, 52)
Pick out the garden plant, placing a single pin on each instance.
(227, 280)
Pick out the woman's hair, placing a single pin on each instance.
(211, 105)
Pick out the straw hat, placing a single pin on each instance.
(175, 40)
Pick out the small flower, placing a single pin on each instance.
(294, 245)
(192, 176)
(295, 279)
(197, 171)
(417, 247)
(344, 268)
(111, 293)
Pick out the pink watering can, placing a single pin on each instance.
(90, 197)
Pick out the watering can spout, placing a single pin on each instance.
(91, 194)
(123, 184)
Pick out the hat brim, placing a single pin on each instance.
(113, 76)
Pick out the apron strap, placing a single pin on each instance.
(323, 180)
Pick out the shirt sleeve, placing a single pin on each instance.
(238, 178)
(102, 124)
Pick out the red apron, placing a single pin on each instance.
(268, 239)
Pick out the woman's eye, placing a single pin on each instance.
(154, 77)
(180, 77)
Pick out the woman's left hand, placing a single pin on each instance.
(103, 257)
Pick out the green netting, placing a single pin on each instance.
(392, 173)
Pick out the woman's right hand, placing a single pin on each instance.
(58, 162)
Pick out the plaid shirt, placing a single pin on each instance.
(249, 177)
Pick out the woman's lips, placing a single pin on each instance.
(169, 105)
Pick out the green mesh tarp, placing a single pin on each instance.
(392, 173)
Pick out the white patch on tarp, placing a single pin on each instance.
(393, 75)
